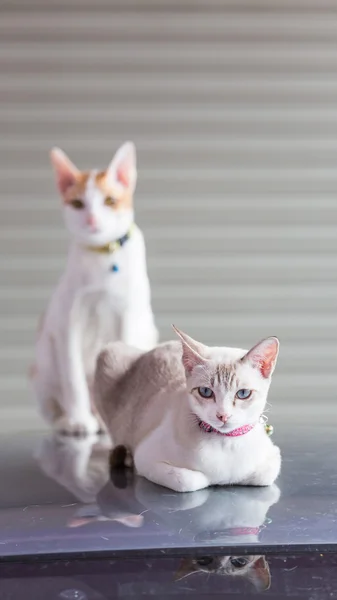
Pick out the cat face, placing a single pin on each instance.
(228, 386)
(253, 568)
(97, 205)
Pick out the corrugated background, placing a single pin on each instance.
(233, 108)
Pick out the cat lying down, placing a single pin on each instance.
(188, 416)
(226, 518)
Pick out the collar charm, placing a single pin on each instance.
(269, 429)
(111, 247)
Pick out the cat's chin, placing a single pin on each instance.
(228, 427)
(95, 239)
(224, 427)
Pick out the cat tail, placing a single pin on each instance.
(120, 457)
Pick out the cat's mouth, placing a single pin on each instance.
(228, 426)
(94, 229)
(216, 426)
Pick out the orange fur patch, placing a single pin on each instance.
(78, 189)
(123, 200)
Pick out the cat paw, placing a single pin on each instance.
(83, 426)
(184, 480)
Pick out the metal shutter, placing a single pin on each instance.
(232, 105)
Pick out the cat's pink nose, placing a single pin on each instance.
(91, 220)
(224, 418)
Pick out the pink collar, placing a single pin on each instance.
(245, 531)
(235, 433)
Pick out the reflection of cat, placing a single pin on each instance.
(232, 516)
(190, 415)
(253, 568)
(226, 517)
(215, 515)
(82, 467)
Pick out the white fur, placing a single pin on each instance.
(159, 422)
(206, 459)
(211, 510)
(91, 306)
(82, 467)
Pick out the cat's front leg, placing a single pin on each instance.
(267, 472)
(146, 492)
(177, 478)
(163, 473)
(77, 417)
(138, 329)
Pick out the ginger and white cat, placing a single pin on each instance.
(189, 415)
(103, 295)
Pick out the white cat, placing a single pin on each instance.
(189, 415)
(227, 518)
(81, 465)
(103, 295)
(232, 517)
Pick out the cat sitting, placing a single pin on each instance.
(103, 295)
(189, 416)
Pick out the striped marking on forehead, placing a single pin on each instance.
(225, 375)
(88, 182)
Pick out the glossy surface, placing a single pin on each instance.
(57, 499)
(307, 577)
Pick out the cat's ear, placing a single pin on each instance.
(123, 167)
(66, 172)
(259, 574)
(264, 356)
(194, 353)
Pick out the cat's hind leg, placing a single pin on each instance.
(55, 408)
(46, 395)
(77, 416)
(43, 375)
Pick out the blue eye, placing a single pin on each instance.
(243, 394)
(205, 392)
